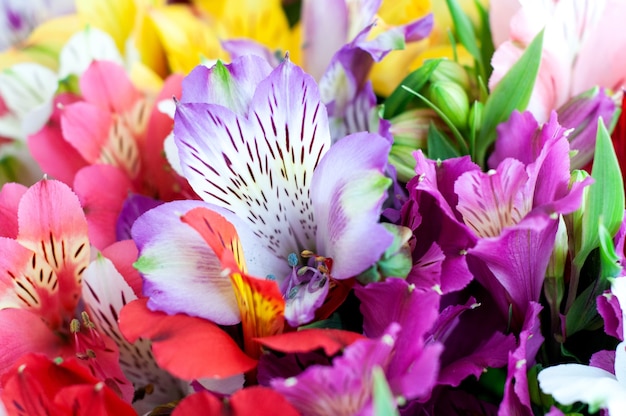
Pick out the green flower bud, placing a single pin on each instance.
(574, 220)
(451, 71)
(476, 115)
(452, 100)
(410, 133)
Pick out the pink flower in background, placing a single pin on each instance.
(577, 34)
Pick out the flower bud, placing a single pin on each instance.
(452, 100)
(395, 262)
(581, 114)
(476, 115)
(410, 133)
(451, 71)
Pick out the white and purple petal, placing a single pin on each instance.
(105, 292)
(181, 273)
(324, 33)
(348, 190)
(260, 167)
(231, 85)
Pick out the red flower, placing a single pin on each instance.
(36, 385)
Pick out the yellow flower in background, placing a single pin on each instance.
(388, 74)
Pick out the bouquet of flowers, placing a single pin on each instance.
(312, 207)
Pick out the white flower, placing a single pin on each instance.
(570, 383)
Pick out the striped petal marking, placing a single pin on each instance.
(260, 166)
(52, 224)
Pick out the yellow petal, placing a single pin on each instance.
(262, 21)
(116, 17)
(262, 309)
(400, 12)
(186, 37)
(145, 79)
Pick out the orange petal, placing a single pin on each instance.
(219, 234)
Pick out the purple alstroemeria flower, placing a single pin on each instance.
(522, 138)
(413, 369)
(345, 387)
(513, 209)
(441, 241)
(254, 144)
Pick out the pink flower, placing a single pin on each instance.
(577, 33)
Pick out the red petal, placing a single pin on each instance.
(123, 254)
(93, 400)
(262, 309)
(260, 401)
(306, 340)
(188, 347)
(35, 380)
(203, 403)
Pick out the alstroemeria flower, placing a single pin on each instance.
(597, 387)
(44, 251)
(511, 209)
(113, 136)
(255, 145)
(36, 385)
(345, 387)
(576, 33)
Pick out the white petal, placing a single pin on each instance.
(27, 90)
(84, 47)
(570, 383)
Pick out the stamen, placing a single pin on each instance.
(292, 259)
(307, 254)
(74, 326)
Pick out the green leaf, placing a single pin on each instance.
(486, 40)
(605, 198)
(384, 404)
(397, 102)
(463, 28)
(583, 315)
(512, 93)
(439, 145)
(609, 260)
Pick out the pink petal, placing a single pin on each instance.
(106, 85)
(53, 225)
